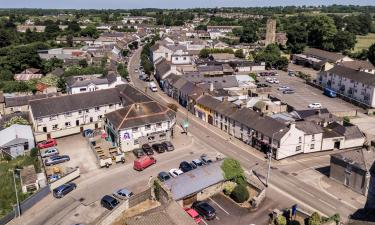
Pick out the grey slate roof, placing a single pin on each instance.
(330, 56)
(163, 67)
(208, 101)
(361, 158)
(85, 80)
(349, 132)
(24, 100)
(195, 180)
(359, 76)
(140, 114)
(309, 127)
(358, 64)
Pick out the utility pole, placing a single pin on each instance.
(270, 155)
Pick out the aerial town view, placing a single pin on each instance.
(209, 112)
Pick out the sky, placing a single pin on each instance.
(131, 4)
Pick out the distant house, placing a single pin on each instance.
(353, 169)
(12, 104)
(16, 140)
(87, 83)
(28, 74)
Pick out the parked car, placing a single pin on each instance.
(143, 162)
(138, 152)
(315, 105)
(205, 159)
(175, 172)
(168, 145)
(159, 148)
(147, 149)
(163, 176)
(204, 209)
(185, 167)
(276, 81)
(47, 143)
(283, 88)
(122, 194)
(153, 87)
(193, 214)
(64, 189)
(109, 202)
(49, 152)
(56, 160)
(197, 162)
(290, 91)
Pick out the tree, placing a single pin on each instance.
(204, 53)
(239, 54)
(240, 193)
(314, 219)
(321, 32)
(90, 31)
(281, 220)
(16, 120)
(51, 27)
(344, 40)
(83, 63)
(371, 54)
(69, 40)
(172, 106)
(253, 75)
(6, 75)
(233, 171)
(74, 27)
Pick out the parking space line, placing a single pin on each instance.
(219, 206)
(204, 221)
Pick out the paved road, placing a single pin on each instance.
(293, 190)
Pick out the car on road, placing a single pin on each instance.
(138, 152)
(163, 176)
(47, 143)
(197, 163)
(122, 194)
(193, 214)
(185, 167)
(109, 202)
(57, 159)
(153, 87)
(143, 162)
(283, 88)
(64, 189)
(49, 152)
(147, 149)
(315, 105)
(159, 148)
(290, 91)
(175, 172)
(168, 145)
(205, 159)
(204, 209)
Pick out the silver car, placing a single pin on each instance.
(49, 152)
(123, 194)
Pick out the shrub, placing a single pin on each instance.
(294, 222)
(233, 171)
(314, 219)
(240, 194)
(229, 187)
(280, 220)
(34, 152)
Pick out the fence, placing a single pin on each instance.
(26, 204)
(141, 197)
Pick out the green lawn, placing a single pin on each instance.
(7, 194)
(364, 42)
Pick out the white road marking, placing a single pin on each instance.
(308, 193)
(332, 206)
(219, 206)
(204, 221)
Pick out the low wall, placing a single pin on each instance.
(141, 197)
(65, 179)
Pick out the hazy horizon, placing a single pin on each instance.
(169, 4)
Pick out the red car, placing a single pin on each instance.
(193, 214)
(143, 162)
(47, 143)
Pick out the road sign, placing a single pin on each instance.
(186, 124)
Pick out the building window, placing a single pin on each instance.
(97, 109)
(151, 138)
(68, 114)
(134, 129)
(176, 58)
(158, 125)
(313, 137)
(67, 124)
(312, 146)
(39, 120)
(110, 106)
(82, 89)
(148, 127)
(184, 58)
(136, 142)
(299, 139)
(87, 110)
(100, 117)
(44, 129)
(298, 148)
(91, 119)
(54, 127)
(52, 118)
(162, 136)
(80, 112)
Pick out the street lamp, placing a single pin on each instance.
(15, 189)
(270, 154)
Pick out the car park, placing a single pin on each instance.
(158, 148)
(197, 162)
(64, 189)
(175, 172)
(47, 143)
(315, 105)
(109, 202)
(57, 159)
(123, 194)
(163, 176)
(147, 149)
(138, 152)
(193, 214)
(185, 167)
(49, 152)
(204, 209)
(168, 145)
(205, 159)
(143, 162)
(290, 91)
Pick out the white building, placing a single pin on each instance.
(140, 123)
(16, 140)
(88, 83)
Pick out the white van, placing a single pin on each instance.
(153, 87)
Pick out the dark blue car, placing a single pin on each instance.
(64, 189)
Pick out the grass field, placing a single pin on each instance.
(363, 42)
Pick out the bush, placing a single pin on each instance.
(240, 194)
(280, 220)
(229, 187)
(294, 222)
(34, 152)
(315, 219)
(233, 171)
